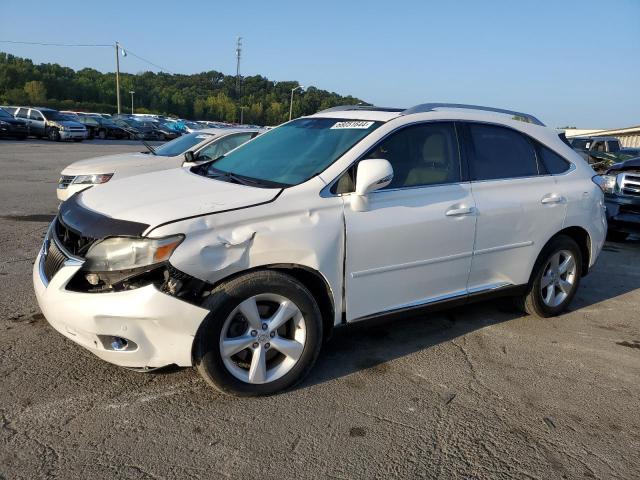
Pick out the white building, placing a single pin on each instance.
(629, 137)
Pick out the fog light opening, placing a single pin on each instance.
(117, 344)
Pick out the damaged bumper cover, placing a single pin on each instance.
(142, 327)
(623, 213)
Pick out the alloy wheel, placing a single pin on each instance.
(558, 278)
(263, 338)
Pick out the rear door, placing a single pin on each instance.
(413, 245)
(520, 207)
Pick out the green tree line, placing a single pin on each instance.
(208, 95)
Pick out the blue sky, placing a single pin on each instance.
(573, 62)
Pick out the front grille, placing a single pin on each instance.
(54, 260)
(72, 241)
(630, 184)
(66, 180)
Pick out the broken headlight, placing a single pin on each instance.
(126, 253)
(607, 183)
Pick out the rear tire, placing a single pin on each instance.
(555, 279)
(246, 310)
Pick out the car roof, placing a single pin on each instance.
(437, 109)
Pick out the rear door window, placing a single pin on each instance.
(500, 153)
(22, 113)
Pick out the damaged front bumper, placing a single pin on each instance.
(142, 327)
(623, 213)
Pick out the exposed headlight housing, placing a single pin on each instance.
(606, 182)
(93, 179)
(127, 253)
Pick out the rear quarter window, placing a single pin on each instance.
(551, 162)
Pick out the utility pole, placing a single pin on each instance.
(131, 92)
(238, 55)
(291, 101)
(118, 75)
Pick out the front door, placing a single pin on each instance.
(414, 244)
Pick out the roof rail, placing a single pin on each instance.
(429, 107)
(342, 108)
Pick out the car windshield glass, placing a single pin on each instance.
(580, 143)
(55, 115)
(5, 114)
(294, 152)
(181, 144)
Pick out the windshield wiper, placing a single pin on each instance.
(235, 178)
(151, 149)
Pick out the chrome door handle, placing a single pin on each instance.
(460, 211)
(552, 198)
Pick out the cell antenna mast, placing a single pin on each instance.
(238, 55)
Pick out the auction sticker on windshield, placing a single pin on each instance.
(352, 124)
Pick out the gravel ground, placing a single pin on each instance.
(477, 392)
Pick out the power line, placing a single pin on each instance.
(58, 44)
(88, 45)
(129, 52)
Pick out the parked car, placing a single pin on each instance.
(600, 151)
(11, 110)
(11, 126)
(630, 152)
(621, 186)
(242, 265)
(164, 131)
(49, 123)
(103, 128)
(202, 146)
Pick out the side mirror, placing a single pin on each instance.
(189, 157)
(372, 175)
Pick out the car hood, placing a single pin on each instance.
(169, 195)
(69, 123)
(109, 163)
(631, 164)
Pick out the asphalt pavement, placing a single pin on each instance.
(476, 392)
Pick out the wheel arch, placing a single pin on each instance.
(312, 279)
(582, 238)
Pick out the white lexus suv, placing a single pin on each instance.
(243, 265)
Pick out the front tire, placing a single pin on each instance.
(262, 335)
(54, 135)
(555, 280)
(102, 135)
